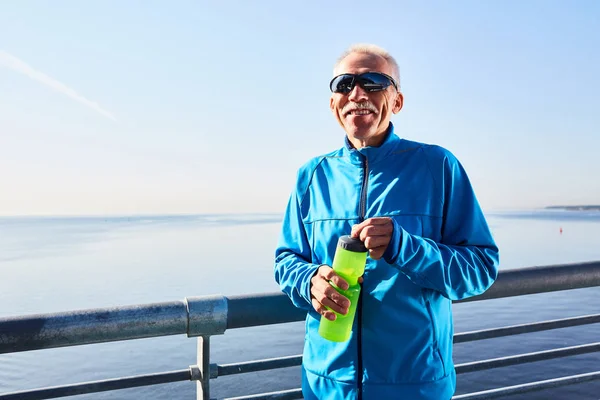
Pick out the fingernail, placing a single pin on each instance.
(331, 317)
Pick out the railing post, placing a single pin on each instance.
(203, 360)
(207, 316)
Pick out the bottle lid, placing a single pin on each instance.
(352, 244)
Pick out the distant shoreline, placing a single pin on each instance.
(574, 208)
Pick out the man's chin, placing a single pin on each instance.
(367, 136)
(359, 133)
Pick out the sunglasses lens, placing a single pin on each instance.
(369, 81)
(374, 82)
(342, 83)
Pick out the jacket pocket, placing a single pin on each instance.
(436, 347)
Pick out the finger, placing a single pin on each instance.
(379, 220)
(377, 252)
(373, 242)
(329, 275)
(326, 294)
(333, 301)
(356, 229)
(339, 282)
(366, 236)
(375, 221)
(341, 306)
(320, 308)
(325, 271)
(377, 230)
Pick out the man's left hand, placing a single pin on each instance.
(375, 233)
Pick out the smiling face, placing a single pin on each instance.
(365, 116)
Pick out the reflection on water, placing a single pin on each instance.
(58, 264)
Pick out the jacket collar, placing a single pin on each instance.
(371, 153)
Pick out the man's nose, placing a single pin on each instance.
(357, 94)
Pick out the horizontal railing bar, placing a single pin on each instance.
(194, 316)
(544, 279)
(211, 315)
(526, 358)
(258, 365)
(526, 328)
(292, 361)
(45, 331)
(245, 311)
(99, 386)
(261, 309)
(529, 387)
(266, 364)
(292, 394)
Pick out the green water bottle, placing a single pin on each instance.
(349, 263)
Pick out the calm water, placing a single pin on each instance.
(60, 264)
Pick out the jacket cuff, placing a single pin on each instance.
(391, 253)
(306, 283)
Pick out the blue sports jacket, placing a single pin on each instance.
(441, 250)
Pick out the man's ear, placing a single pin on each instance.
(331, 103)
(398, 103)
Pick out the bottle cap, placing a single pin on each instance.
(352, 244)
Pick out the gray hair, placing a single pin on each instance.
(374, 50)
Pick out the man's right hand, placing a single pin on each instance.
(324, 295)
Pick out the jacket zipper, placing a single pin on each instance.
(362, 212)
(363, 195)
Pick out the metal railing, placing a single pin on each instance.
(203, 317)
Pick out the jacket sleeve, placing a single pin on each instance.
(293, 269)
(465, 262)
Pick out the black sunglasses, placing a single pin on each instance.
(369, 81)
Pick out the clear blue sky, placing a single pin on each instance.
(127, 107)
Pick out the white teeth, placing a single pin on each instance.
(360, 112)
